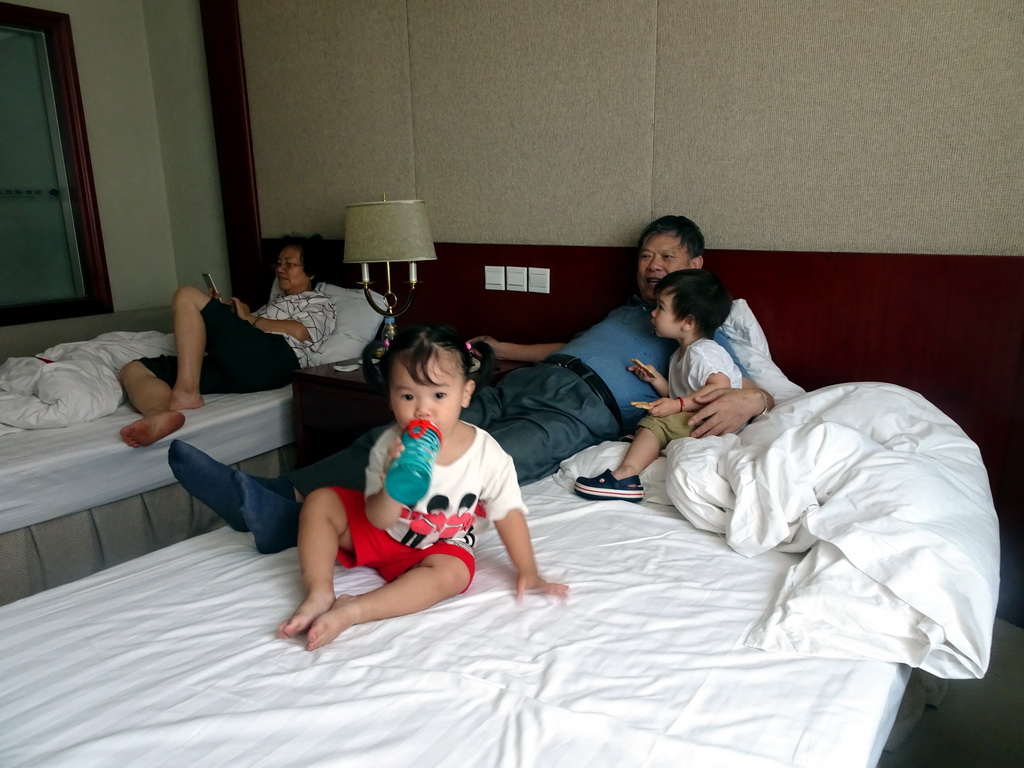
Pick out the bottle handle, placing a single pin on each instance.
(418, 428)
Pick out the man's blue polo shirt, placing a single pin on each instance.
(609, 347)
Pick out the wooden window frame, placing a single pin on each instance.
(82, 193)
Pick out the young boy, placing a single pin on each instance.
(692, 305)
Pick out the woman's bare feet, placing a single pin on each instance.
(148, 430)
(320, 619)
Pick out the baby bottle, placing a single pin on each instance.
(408, 477)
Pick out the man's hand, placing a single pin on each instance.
(725, 410)
(494, 344)
(520, 353)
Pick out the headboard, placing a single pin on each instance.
(950, 327)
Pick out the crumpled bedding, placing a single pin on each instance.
(891, 502)
(79, 385)
(888, 498)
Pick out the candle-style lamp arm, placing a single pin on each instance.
(390, 300)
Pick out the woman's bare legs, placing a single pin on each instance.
(322, 529)
(190, 345)
(159, 404)
(151, 397)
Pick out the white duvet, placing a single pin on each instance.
(888, 498)
(79, 385)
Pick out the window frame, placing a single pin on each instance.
(56, 27)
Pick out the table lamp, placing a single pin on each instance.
(387, 231)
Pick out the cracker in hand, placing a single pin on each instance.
(642, 404)
(647, 369)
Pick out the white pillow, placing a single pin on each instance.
(751, 347)
(357, 321)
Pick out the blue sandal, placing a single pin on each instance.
(606, 486)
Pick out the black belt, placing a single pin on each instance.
(596, 384)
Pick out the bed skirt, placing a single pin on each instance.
(58, 551)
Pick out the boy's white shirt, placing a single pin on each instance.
(690, 368)
(484, 471)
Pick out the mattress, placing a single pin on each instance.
(48, 473)
(171, 659)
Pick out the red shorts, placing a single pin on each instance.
(378, 550)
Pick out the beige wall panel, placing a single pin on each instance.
(533, 119)
(867, 126)
(329, 101)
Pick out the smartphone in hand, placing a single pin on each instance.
(211, 286)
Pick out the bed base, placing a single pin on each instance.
(62, 550)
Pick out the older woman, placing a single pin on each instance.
(223, 347)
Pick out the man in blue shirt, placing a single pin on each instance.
(577, 396)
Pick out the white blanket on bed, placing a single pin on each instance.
(79, 385)
(891, 502)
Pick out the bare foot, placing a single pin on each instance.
(308, 611)
(328, 626)
(150, 429)
(185, 401)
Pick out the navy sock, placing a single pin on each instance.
(211, 482)
(273, 520)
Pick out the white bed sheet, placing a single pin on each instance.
(48, 473)
(171, 659)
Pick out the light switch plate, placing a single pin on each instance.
(540, 280)
(494, 278)
(515, 278)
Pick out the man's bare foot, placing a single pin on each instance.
(185, 401)
(308, 611)
(150, 429)
(328, 626)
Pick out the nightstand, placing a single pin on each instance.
(330, 408)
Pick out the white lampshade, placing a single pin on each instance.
(393, 230)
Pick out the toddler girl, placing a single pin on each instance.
(426, 372)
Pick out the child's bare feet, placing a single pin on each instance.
(150, 429)
(185, 401)
(329, 625)
(309, 610)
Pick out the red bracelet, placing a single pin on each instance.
(681, 403)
